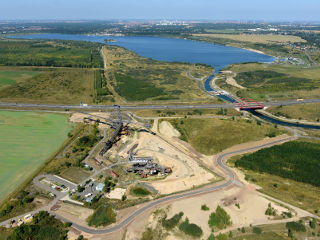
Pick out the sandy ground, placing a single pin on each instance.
(231, 81)
(186, 171)
(252, 211)
(117, 193)
(168, 130)
(79, 117)
(77, 214)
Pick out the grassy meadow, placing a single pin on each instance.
(210, 136)
(136, 78)
(255, 38)
(51, 85)
(50, 53)
(8, 78)
(309, 111)
(266, 82)
(27, 140)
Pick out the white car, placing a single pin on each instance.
(88, 195)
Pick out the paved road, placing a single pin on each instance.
(141, 107)
(228, 182)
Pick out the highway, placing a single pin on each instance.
(142, 107)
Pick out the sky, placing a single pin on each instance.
(267, 10)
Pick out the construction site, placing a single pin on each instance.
(133, 150)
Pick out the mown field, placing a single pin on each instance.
(137, 78)
(8, 78)
(255, 38)
(288, 172)
(27, 139)
(274, 82)
(274, 45)
(310, 111)
(51, 85)
(210, 136)
(53, 53)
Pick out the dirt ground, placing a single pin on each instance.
(187, 173)
(168, 130)
(231, 81)
(75, 213)
(78, 117)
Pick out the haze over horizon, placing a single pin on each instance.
(271, 10)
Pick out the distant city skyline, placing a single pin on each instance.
(245, 10)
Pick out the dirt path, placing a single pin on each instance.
(231, 81)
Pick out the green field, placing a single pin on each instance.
(27, 139)
(136, 78)
(210, 136)
(53, 53)
(52, 85)
(8, 78)
(310, 111)
(268, 82)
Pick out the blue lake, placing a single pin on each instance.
(170, 49)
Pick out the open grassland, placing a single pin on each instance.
(210, 136)
(8, 78)
(255, 38)
(53, 53)
(310, 111)
(52, 85)
(104, 215)
(189, 113)
(271, 44)
(75, 174)
(286, 174)
(137, 78)
(273, 82)
(300, 230)
(27, 139)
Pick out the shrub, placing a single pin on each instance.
(219, 219)
(190, 229)
(296, 226)
(172, 222)
(256, 230)
(205, 207)
(102, 216)
(139, 191)
(222, 237)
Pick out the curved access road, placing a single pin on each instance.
(230, 179)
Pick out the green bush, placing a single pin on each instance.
(190, 229)
(139, 191)
(205, 207)
(43, 227)
(219, 219)
(172, 222)
(104, 215)
(256, 230)
(222, 237)
(296, 226)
